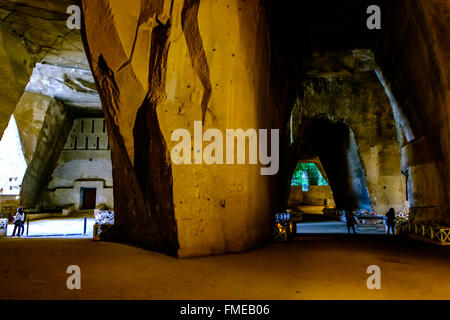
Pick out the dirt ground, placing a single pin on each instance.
(313, 267)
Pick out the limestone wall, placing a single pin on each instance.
(160, 68)
(359, 101)
(50, 143)
(17, 65)
(78, 169)
(30, 115)
(33, 32)
(415, 70)
(81, 165)
(85, 162)
(66, 197)
(316, 196)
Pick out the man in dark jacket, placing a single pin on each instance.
(390, 220)
(351, 221)
(22, 221)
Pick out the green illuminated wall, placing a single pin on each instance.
(313, 177)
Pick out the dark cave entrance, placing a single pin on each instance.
(325, 173)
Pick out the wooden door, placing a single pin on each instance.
(89, 198)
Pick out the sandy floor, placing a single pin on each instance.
(327, 267)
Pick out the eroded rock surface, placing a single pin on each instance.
(35, 32)
(30, 116)
(52, 137)
(161, 67)
(17, 65)
(415, 66)
(343, 88)
(42, 57)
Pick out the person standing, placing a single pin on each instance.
(17, 222)
(351, 221)
(390, 220)
(22, 221)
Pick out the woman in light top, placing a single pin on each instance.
(18, 220)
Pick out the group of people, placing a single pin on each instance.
(390, 221)
(19, 222)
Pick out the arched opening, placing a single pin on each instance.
(12, 164)
(56, 159)
(328, 152)
(310, 190)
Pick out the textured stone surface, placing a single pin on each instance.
(17, 65)
(72, 86)
(316, 196)
(41, 27)
(342, 88)
(33, 32)
(52, 137)
(30, 115)
(85, 162)
(416, 67)
(160, 67)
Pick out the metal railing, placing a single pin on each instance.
(437, 234)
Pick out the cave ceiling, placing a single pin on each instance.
(62, 71)
(300, 30)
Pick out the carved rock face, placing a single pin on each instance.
(17, 65)
(415, 64)
(343, 88)
(40, 56)
(161, 67)
(35, 32)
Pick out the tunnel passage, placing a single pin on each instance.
(334, 144)
(310, 189)
(412, 64)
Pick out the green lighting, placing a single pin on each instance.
(307, 174)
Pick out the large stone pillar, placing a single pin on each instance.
(160, 66)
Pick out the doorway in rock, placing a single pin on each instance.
(12, 169)
(65, 165)
(328, 178)
(88, 198)
(310, 191)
